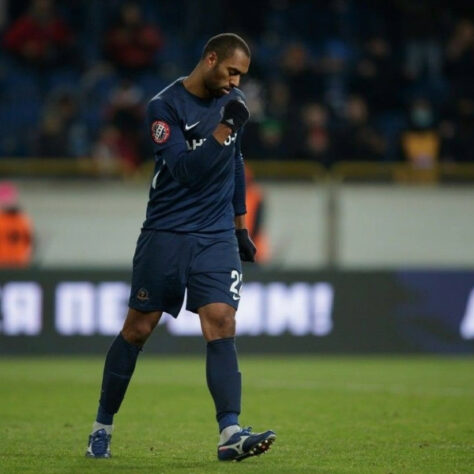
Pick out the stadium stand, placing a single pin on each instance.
(355, 83)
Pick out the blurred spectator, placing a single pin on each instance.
(460, 59)
(16, 230)
(125, 113)
(62, 132)
(376, 76)
(299, 74)
(358, 140)
(332, 69)
(40, 37)
(113, 153)
(311, 138)
(457, 132)
(278, 100)
(254, 219)
(309, 60)
(269, 142)
(132, 44)
(421, 141)
(421, 29)
(252, 88)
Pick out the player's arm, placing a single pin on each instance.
(238, 199)
(190, 167)
(247, 249)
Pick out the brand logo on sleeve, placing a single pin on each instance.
(160, 132)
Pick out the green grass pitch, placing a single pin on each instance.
(331, 414)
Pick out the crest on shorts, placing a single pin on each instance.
(160, 131)
(142, 294)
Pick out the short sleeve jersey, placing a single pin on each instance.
(179, 123)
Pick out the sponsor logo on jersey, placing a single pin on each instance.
(197, 142)
(160, 132)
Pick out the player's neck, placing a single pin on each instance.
(195, 85)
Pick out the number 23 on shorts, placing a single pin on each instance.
(236, 284)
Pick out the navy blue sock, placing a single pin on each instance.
(118, 370)
(224, 380)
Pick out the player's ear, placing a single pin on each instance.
(211, 59)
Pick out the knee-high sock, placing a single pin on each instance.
(224, 380)
(118, 369)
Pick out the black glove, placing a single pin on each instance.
(235, 114)
(247, 249)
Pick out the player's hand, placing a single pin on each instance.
(235, 114)
(247, 249)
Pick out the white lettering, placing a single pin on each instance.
(21, 307)
(197, 142)
(230, 139)
(288, 309)
(75, 308)
(322, 299)
(467, 324)
(274, 308)
(112, 306)
(249, 318)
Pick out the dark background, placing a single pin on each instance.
(373, 312)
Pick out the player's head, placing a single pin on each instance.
(225, 58)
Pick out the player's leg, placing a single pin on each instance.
(224, 382)
(121, 359)
(222, 371)
(118, 370)
(214, 285)
(213, 292)
(158, 284)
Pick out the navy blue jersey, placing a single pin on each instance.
(198, 184)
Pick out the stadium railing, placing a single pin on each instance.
(342, 171)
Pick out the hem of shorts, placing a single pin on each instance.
(194, 309)
(150, 309)
(190, 232)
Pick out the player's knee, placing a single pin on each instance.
(219, 324)
(137, 333)
(138, 327)
(226, 325)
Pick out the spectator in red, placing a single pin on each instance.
(114, 153)
(40, 37)
(122, 138)
(132, 44)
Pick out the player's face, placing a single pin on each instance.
(222, 76)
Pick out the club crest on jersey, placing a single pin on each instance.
(160, 131)
(142, 294)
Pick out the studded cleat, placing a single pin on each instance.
(99, 445)
(244, 444)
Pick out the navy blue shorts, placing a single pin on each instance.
(167, 263)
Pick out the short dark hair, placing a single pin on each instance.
(224, 45)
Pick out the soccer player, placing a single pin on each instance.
(192, 238)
